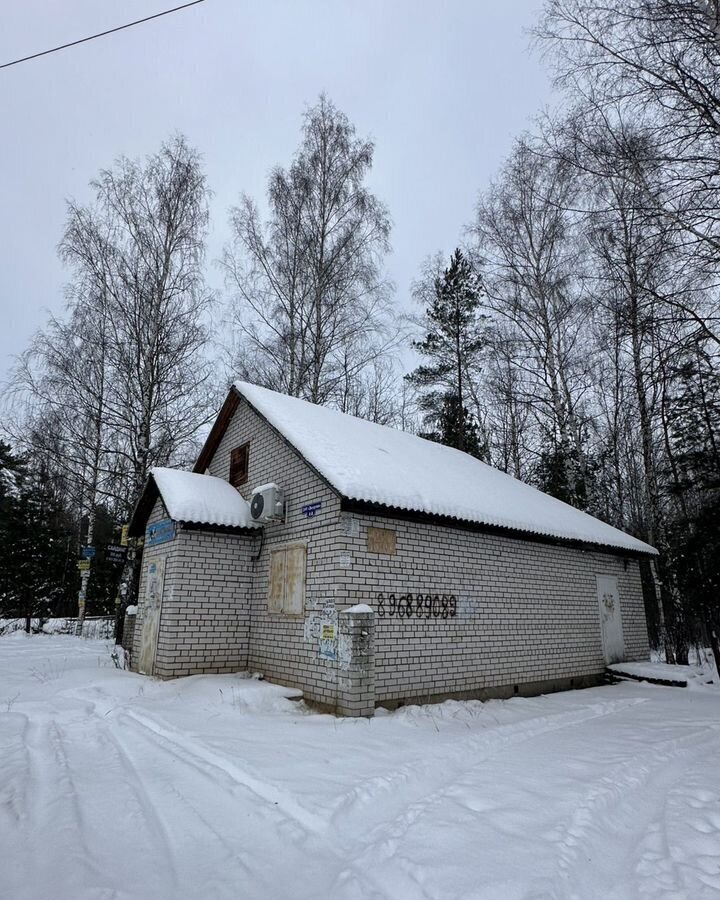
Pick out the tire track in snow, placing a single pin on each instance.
(14, 759)
(659, 765)
(350, 875)
(217, 834)
(468, 751)
(154, 825)
(382, 840)
(73, 818)
(284, 828)
(196, 752)
(83, 859)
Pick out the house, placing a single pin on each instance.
(367, 566)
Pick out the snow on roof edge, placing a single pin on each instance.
(201, 499)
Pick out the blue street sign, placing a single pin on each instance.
(160, 532)
(88, 552)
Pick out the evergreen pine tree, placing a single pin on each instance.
(35, 540)
(452, 346)
(694, 533)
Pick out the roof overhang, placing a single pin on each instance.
(219, 428)
(143, 507)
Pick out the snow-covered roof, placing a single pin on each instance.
(205, 499)
(376, 464)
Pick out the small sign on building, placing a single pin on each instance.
(328, 638)
(160, 532)
(88, 552)
(83, 565)
(310, 510)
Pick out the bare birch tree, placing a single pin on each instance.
(311, 301)
(523, 234)
(123, 382)
(655, 64)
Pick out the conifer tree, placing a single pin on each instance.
(452, 346)
(35, 536)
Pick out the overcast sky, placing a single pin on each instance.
(442, 88)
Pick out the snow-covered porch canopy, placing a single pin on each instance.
(389, 472)
(192, 499)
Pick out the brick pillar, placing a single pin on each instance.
(129, 632)
(356, 662)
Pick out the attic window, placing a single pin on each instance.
(239, 465)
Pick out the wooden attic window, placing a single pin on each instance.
(239, 465)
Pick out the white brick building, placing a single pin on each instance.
(401, 570)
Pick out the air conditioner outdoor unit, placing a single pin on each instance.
(267, 504)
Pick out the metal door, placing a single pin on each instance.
(151, 615)
(610, 618)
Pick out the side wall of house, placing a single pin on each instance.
(527, 613)
(285, 648)
(205, 613)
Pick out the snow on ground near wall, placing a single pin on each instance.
(117, 786)
(660, 670)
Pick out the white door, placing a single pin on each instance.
(151, 615)
(610, 619)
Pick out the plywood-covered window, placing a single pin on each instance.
(239, 458)
(286, 591)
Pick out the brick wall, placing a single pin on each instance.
(204, 620)
(527, 613)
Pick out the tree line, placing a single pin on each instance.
(570, 340)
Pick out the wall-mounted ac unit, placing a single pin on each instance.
(267, 504)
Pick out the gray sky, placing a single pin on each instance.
(442, 88)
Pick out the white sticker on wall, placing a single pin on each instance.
(351, 526)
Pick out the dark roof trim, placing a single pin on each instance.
(143, 507)
(390, 512)
(217, 431)
(221, 529)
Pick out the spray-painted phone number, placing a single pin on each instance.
(418, 606)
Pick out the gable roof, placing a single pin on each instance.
(375, 464)
(190, 497)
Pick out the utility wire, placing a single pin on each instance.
(100, 34)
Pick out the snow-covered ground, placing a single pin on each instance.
(118, 786)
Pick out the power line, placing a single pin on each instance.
(92, 37)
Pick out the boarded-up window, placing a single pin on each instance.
(277, 581)
(381, 540)
(286, 591)
(239, 465)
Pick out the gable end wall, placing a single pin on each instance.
(279, 645)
